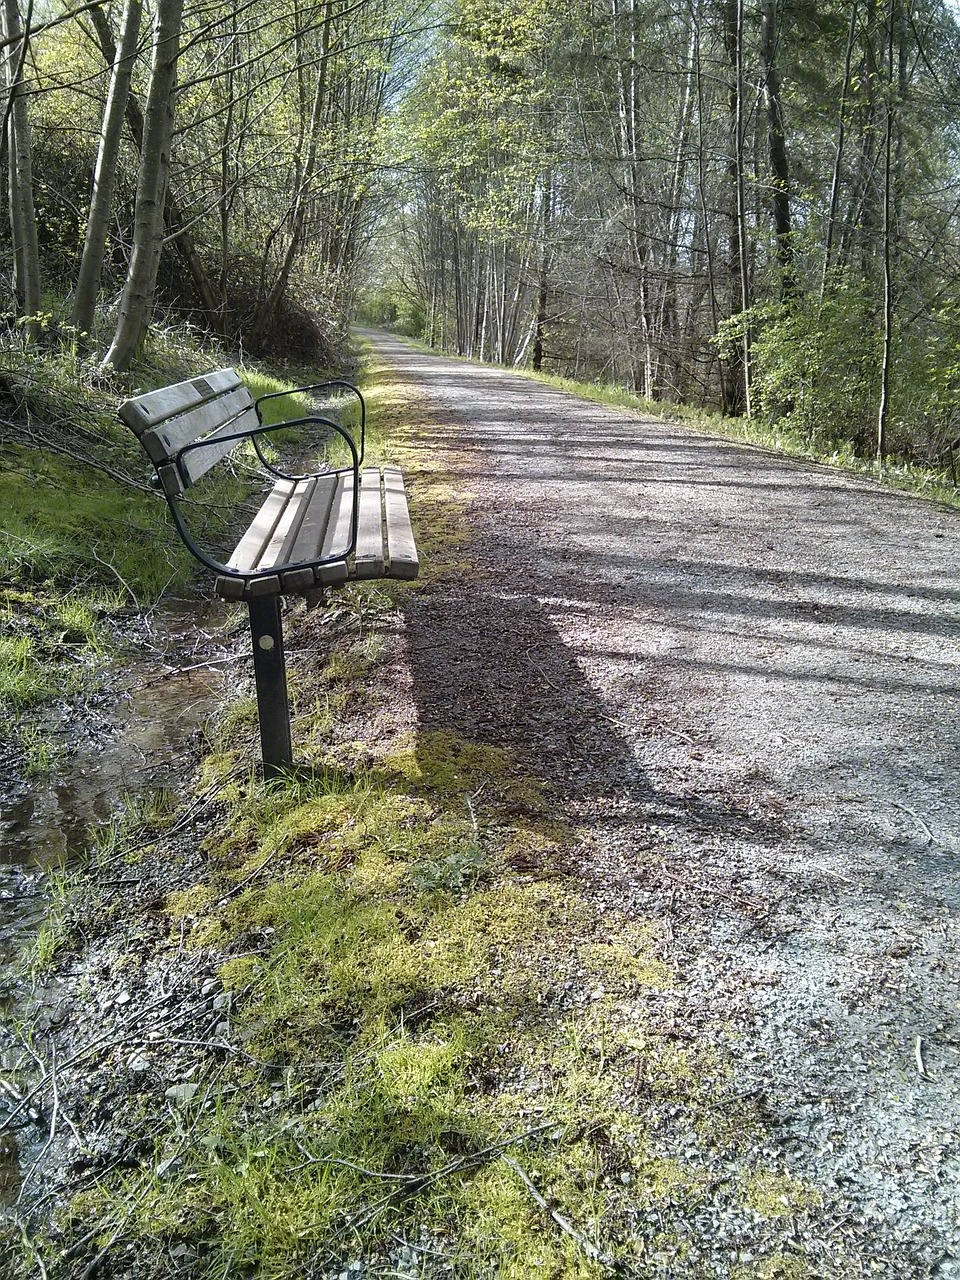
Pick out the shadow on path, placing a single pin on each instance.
(490, 666)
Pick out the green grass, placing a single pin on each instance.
(431, 1045)
(80, 530)
(410, 1068)
(379, 1007)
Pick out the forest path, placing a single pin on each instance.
(740, 674)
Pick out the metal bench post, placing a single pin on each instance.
(270, 673)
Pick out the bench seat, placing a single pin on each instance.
(308, 520)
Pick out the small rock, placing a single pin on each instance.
(181, 1094)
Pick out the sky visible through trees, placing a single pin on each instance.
(747, 206)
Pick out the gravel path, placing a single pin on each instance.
(740, 673)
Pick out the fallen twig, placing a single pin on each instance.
(473, 817)
(916, 817)
(31, 1249)
(231, 893)
(421, 1181)
(196, 666)
(715, 893)
(586, 1246)
(52, 1131)
(648, 729)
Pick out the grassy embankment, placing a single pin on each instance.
(84, 541)
(442, 1050)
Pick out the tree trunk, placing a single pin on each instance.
(140, 286)
(23, 221)
(894, 97)
(105, 173)
(777, 142)
(838, 158)
(173, 219)
(738, 368)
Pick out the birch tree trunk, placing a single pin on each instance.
(23, 221)
(173, 219)
(138, 291)
(105, 173)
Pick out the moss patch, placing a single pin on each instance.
(438, 1062)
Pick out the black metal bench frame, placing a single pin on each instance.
(355, 521)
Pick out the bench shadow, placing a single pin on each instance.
(490, 666)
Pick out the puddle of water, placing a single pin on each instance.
(46, 824)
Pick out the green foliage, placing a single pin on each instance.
(815, 366)
(392, 308)
(41, 753)
(479, 117)
(928, 405)
(24, 678)
(410, 1062)
(456, 871)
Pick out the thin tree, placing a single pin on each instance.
(777, 146)
(23, 221)
(105, 172)
(138, 291)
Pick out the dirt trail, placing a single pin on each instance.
(741, 674)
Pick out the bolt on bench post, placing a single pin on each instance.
(270, 675)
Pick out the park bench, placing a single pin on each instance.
(312, 532)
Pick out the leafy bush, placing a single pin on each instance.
(816, 365)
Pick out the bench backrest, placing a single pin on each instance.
(206, 408)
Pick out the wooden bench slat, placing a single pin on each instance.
(287, 526)
(368, 558)
(198, 463)
(402, 557)
(144, 412)
(250, 547)
(338, 532)
(308, 538)
(231, 412)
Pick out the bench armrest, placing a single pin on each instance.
(252, 433)
(318, 386)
